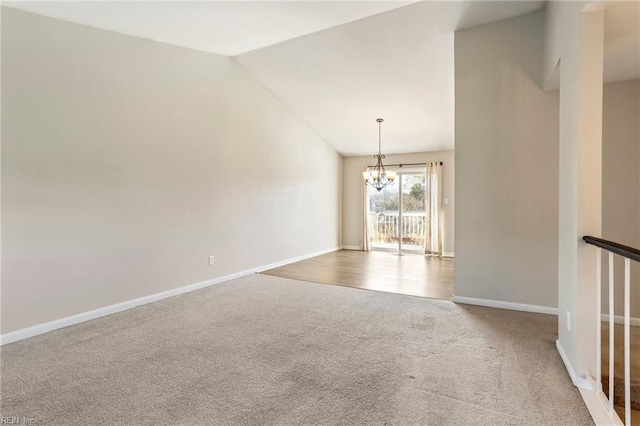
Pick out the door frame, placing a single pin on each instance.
(399, 249)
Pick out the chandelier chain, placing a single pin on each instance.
(379, 137)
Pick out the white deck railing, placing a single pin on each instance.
(629, 254)
(383, 227)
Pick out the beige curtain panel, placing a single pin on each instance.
(433, 242)
(365, 219)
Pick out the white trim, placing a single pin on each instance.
(288, 261)
(599, 414)
(445, 254)
(35, 330)
(595, 401)
(579, 382)
(352, 248)
(619, 319)
(598, 405)
(505, 305)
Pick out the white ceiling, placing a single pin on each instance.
(338, 65)
(223, 27)
(398, 65)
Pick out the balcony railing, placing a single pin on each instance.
(628, 254)
(384, 228)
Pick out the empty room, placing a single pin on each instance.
(320, 212)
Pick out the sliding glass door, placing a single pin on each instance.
(397, 214)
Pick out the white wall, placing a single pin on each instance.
(621, 183)
(557, 14)
(353, 187)
(127, 162)
(506, 165)
(580, 184)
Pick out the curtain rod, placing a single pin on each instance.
(407, 164)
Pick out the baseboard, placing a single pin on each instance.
(35, 330)
(619, 319)
(596, 404)
(505, 305)
(593, 398)
(579, 382)
(351, 248)
(288, 261)
(445, 254)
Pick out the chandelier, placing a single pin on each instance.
(378, 177)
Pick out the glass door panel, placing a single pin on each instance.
(413, 218)
(383, 217)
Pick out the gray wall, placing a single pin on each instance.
(127, 162)
(621, 183)
(506, 165)
(353, 187)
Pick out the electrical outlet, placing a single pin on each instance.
(568, 321)
(211, 260)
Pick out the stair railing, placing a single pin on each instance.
(629, 254)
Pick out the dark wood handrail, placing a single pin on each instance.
(622, 250)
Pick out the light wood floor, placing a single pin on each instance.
(412, 274)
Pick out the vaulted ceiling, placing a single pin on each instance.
(621, 40)
(223, 27)
(398, 65)
(338, 65)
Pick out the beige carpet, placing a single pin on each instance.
(267, 350)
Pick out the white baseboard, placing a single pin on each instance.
(288, 261)
(505, 305)
(619, 319)
(579, 382)
(351, 248)
(35, 330)
(445, 254)
(591, 394)
(595, 402)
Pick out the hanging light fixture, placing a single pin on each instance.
(378, 177)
